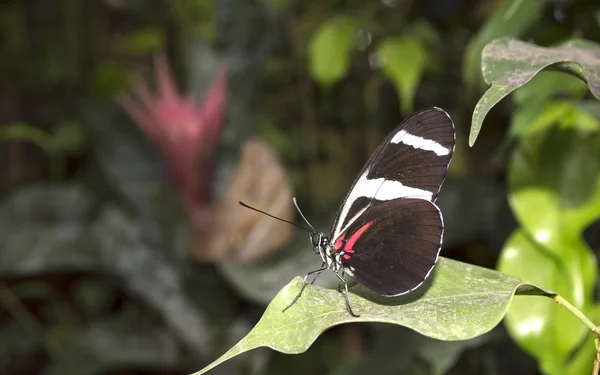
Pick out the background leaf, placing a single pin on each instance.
(67, 137)
(567, 114)
(25, 133)
(58, 228)
(330, 49)
(555, 194)
(510, 19)
(404, 60)
(121, 342)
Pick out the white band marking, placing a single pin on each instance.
(420, 143)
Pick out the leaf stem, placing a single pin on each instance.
(597, 359)
(575, 311)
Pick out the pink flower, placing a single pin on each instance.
(186, 132)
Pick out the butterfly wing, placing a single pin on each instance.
(411, 163)
(393, 246)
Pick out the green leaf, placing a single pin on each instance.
(510, 19)
(330, 49)
(67, 137)
(509, 64)
(404, 61)
(554, 180)
(108, 80)
(539, 326)
(277, 6)
(19, 131)
(125, 340)
(538, 118)
(56, 227)
(142, 41)
(559, 173)
(583, 359)
(459, 302)
(424, 31)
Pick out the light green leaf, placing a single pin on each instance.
(424, 31)
(578, 117)
(122, 341)
(510, 19)
(142, 41)
(20, 131)
(564, 113)
(554, 180)
(559, 173)
(583, 359)
(541, 328)
(277, 6)
(509, 64)
(459, 302)
(330, 49)
(404, 61)
(67, 137)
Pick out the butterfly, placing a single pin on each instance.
(387, 234)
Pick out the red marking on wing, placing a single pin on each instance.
(340, 241)
(346, 256)
(355, 236)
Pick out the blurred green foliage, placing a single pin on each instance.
(330, 50)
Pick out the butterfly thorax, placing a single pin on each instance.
(323, 247)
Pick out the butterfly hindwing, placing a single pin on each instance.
(393, 246)
(411, 163)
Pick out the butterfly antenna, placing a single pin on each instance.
(278, 218)
(301, 214)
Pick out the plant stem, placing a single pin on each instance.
(575, 311)
(597, 359)
(23, 316)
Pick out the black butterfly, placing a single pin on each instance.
(387, 234)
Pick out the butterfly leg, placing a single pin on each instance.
(340, 284)
(318, 272)
(346, 295)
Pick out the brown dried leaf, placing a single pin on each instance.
(228, 232)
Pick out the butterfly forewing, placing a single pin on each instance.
(411, 163)
(393, 246)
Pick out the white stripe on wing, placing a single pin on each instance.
(420, 143)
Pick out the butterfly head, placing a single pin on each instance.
(319, 241)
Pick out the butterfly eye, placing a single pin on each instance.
(316, 239)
